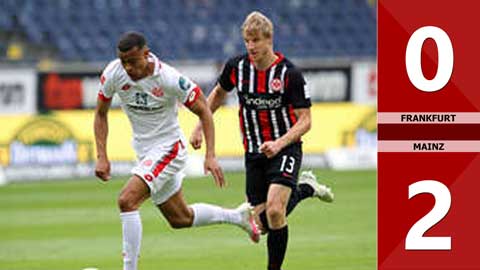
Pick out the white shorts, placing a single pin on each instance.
(162, 170)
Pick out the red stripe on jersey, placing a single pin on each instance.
(233, 77)
(166, 160)
(242, 128)
(193, 96)
(103, 97)
(279, 59)
(265, 125)
(292, 115)
(261, 81)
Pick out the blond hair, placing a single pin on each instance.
(256, 22)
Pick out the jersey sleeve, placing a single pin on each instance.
(186, 91)
(107, 86)
(228, 77)
(297, 89)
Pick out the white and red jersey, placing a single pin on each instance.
(151, 102)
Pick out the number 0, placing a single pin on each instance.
(413, 59)
(415, 239)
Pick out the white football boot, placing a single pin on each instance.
(320, 191)
(248, 221)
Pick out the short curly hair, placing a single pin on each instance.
(130, 40)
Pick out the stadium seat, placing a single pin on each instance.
(188, 29)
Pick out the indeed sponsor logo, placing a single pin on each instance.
(264, 102)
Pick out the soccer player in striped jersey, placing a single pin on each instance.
(274, 114)
(149, 90)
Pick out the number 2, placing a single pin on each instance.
(415, 239)
(291, 164)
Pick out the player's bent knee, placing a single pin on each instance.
(275, 215)
(126, 202)
(275, 208)
(180, 222)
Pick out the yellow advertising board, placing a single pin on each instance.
(68, 135)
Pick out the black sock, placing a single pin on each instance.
(263, 219)
(305, 191)
(277, 247)
(298, 194)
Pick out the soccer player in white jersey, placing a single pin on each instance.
(149, 90)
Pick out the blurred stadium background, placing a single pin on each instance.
(51, 55)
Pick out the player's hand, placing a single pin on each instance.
(271, 148)
(102, 169)
(211, 165)
(196, 137)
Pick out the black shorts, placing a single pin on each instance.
(281, 169)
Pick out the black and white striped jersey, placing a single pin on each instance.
(267, 98)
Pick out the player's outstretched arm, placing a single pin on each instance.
(302, 126)
(200, 108)
(100, 126)
(214, 101)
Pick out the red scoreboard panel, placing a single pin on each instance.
(428, 134)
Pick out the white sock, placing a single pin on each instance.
(132, 237)
(205, 214)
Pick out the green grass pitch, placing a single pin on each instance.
(66, 225)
